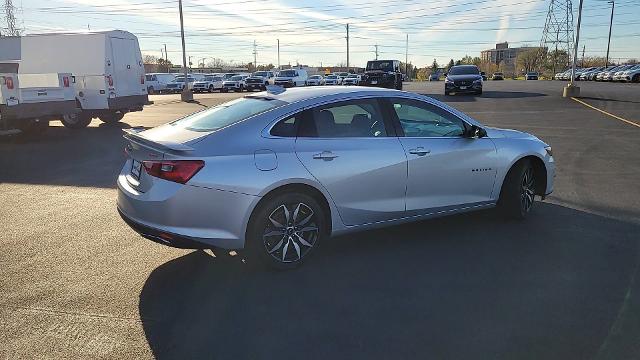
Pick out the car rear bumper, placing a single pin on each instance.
(129, 103)
(185, 216)
(43, 110)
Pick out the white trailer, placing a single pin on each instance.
(106, 65)
(29, 101)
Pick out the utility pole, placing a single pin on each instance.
(347, 47)
(572, 90)
(279, 54)
(406, 56)
(376, 45)
(613, 5)
(583, 46)
(166, 55)
(186, 95)
(255, 56)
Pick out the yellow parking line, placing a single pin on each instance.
(607, 113)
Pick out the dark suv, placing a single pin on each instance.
(463, 79)
(383, 73)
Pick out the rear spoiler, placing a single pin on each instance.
(134, 136)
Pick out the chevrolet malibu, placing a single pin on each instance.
(278, 172)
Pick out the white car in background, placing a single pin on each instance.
(210, 83)
(631, 75)
(315, 80)
(333, 79)
(157, 82)
(235, 83)
(352, 79)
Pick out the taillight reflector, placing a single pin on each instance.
(179, 171)
(9, 81)
(142, 79)
(109, 80)
(65, 81)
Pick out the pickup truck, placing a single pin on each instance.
(29, 101)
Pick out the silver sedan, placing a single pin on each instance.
(278, 172)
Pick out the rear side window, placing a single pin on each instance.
(287, 127)
(355, 118)
(227, 113)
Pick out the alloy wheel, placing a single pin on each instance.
(527, 190)
(291, 232)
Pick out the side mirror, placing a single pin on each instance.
(445, 74)
(476, 132)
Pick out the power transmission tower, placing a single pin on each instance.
(9, 10)
(255, 55)
(558, 31)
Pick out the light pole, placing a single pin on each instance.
(613, 5)
(186, 94)
(571, 90)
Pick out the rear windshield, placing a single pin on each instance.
(227, 113)
(288, 73)
(380, 65)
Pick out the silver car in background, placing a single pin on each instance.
(277, 172)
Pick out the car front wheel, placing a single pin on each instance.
(518, 191)
(285, 230)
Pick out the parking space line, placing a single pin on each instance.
(607, 113)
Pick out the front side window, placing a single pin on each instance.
(426, 120)
(355, 118)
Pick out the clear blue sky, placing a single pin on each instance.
(313, 32)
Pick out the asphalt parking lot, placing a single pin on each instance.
(76, 282)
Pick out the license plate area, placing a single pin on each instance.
(463, 88)
(373, 82)
(136, 169)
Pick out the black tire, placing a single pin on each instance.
(446, 93)
(635, 78)
(399, 85)
(288, 241)
(479, 92)
(223, 90)
(76, 121)
(518, 191)
(150, 90)
(112, 118)
(210, 88)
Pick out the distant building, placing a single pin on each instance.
(504, 56)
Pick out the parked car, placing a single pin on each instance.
(531, 76)
(29, 101)
(497, 76)
(259, 80)
(631, 75)
(484, 75)
(383, 73)
(333, 79)
(343, 75)
(617, 76)
(209, 83)
(463, 79)
(235, 83)
(107, 67)
(157, 82)
(588, 74)
(315, 80)
(178, 84)
(434, 76)
(352, 79)
(291, 77)
(259, 173)
(604, 75)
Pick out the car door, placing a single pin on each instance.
(353, 152)
(446, 169)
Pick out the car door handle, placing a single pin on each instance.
(325, 155)
(420, 151)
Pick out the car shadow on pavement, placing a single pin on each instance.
(466, 286)
(85, 157)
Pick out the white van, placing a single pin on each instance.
(157, 82)
(107, 67)
(291, 77)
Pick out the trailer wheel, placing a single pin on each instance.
(112, 118)
(76, 121)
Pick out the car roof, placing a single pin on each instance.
(292, 95)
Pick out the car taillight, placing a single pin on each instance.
(65, 81)
(9, 82)
(142, 79)
(109, 80)
(179, 171)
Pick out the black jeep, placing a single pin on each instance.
(383, 73)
